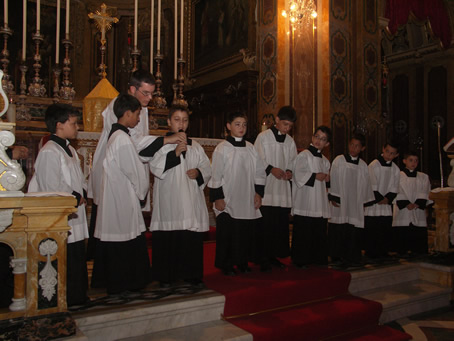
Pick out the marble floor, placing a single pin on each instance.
(436, 325)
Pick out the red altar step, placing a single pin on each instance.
(297, 304)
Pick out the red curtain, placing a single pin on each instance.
(397, 11)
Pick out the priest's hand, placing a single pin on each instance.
(20, 152)
(220, 204)
(175, 138)
(278, 173)
(193, 173)
(181, 147)
(257, 201)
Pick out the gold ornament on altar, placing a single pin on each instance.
(95, 103)
(104, 21)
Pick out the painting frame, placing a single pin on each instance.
(218, 30)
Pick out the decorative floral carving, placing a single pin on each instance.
(48, 275)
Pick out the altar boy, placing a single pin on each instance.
(57, 169)
(409, 218)
(180, 215)
(121, 260)
(236, 188)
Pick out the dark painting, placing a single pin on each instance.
(220, 30)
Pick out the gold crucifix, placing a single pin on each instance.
(103, 21)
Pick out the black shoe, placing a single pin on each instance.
(244, 269)
(265, 267)
(300, 265)
(275, 262)
(164, 285)
(230, 271)
(196, 282)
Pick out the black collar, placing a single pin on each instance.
(349, 159)
(62, 143)
(409, 173)
(235, 143)
(383, 161)
(118, 126)
(314, 151)
(279, 137)
(189, 141)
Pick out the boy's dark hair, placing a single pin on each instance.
(409, 153)
(326, 130)
(287, 113)
(393, 143)
(56, 113)
(360, 137)
(231, 116)
(175, 108)
(125, 102)
(141, 76)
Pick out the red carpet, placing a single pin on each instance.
(296, 304)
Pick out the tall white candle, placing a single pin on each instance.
(5, 12)
(24, 31)
(181, 28)
(158, 47)
(57, 35)
(176, 39)
(67, 20)
(135, 22)
(38, 15)
(151, 36)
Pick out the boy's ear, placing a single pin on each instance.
(229, 126)
(363, 148)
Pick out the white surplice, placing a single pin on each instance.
(178, 201)
(310, 200)
(56, 171)
(383, 179)
(411, 189)
(124, 183)
(280, 155)
(140, 137)
(349, 182)
(237, 170)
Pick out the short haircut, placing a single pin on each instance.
(125, 102)
(141, 76)
(233, 115)
(360, 137)
(326, 130)
(287, 113)
(392, 143)
(409, 153)
(174, 108)
(56, 113)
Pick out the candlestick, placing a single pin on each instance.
(158, 46)
(181, 28)
(151, 36)
(175, 40)
(67, 20)
(57, 35)
(5, 10)
(135, 22)
(24, 31)
(38, 15)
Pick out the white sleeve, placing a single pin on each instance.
(302, 172)
(48, 173)
(217, 168)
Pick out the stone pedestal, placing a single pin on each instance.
(444, 207)
(37, 237)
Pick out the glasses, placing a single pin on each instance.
(146, 93)
(320, 138)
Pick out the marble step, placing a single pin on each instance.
(143, 318)
(383, 277)
(208, 331)
(408, 298)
